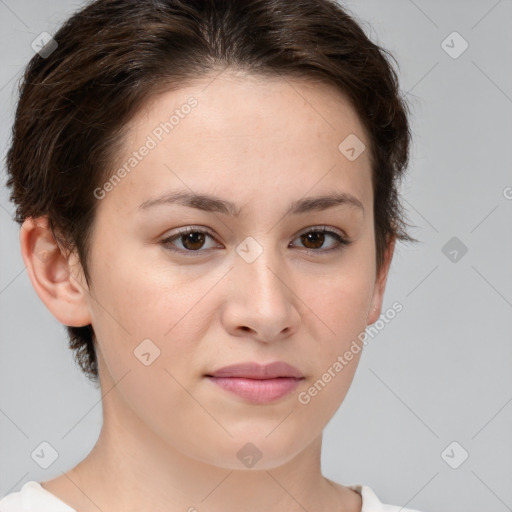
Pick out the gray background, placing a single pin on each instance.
(439, 372)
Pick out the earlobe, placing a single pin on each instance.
(380, 285)
(49, 270)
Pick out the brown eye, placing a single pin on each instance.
(314, 239)
(192, 241)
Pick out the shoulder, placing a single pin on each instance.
(32, 497)
(371, 503)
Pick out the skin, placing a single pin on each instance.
(170, 437)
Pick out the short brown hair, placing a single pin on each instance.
(113, 55)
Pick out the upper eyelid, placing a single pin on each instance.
(206, 230)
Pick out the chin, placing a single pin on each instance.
(253, 452)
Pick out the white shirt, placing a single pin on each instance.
(34, 498)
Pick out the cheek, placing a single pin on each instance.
(156, 310)
(338, 305)
(145, 332)
(146, 299)
(340, 299)
(338, 324)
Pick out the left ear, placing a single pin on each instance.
(380, 284)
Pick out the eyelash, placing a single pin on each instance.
(342, 241)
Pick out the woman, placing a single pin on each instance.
(208, 200)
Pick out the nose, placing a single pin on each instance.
(262, 301)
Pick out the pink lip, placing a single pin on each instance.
(257, 383)
(257, 371)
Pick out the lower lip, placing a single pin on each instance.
(258, 391)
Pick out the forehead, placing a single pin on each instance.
(236, 104)
(246, 137)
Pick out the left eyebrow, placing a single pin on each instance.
(215, 204)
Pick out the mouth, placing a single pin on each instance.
(258, 384)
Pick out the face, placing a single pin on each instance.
(255, 281)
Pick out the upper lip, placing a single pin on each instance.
(257, 371)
